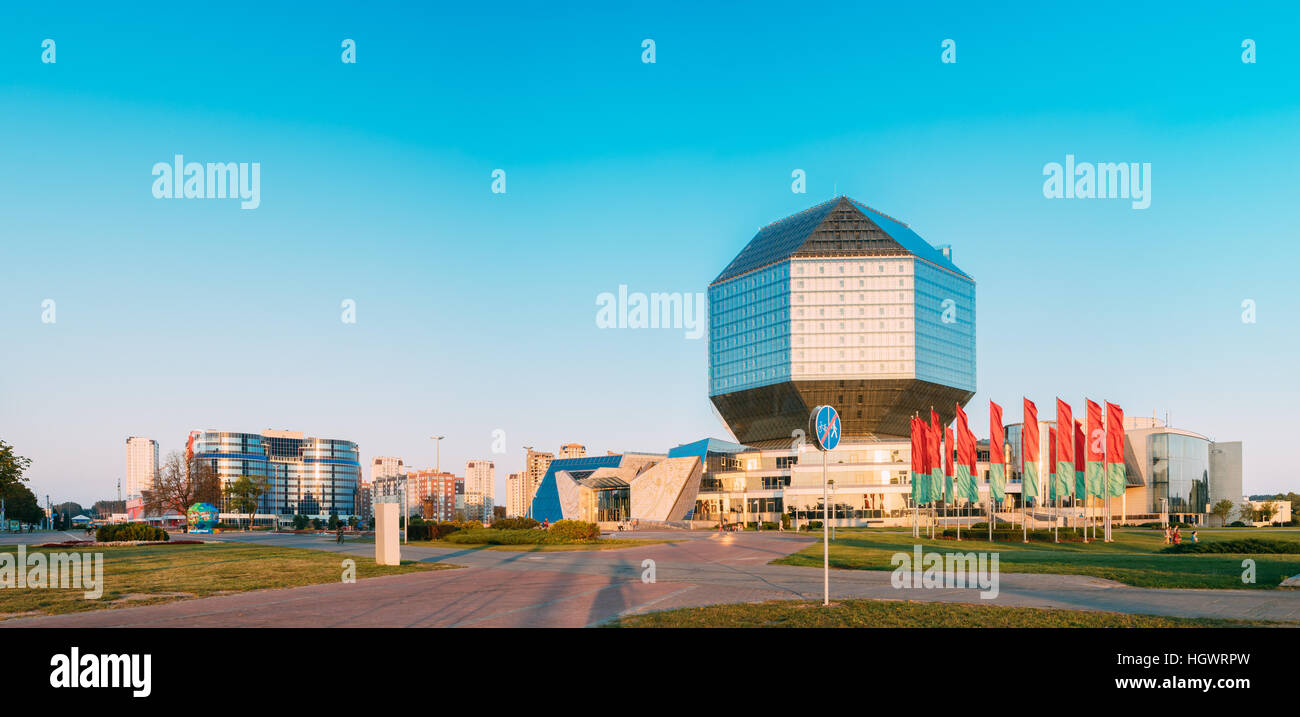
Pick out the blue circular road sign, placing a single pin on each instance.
(826, 427)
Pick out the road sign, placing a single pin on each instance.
(826, 427)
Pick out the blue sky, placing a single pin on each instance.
(475, 311)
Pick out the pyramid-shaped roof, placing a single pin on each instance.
(839, 227)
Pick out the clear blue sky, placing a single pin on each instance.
(475, 311)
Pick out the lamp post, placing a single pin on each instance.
(437, 453)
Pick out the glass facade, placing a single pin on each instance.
(945, 335)
(311, 476)
(1180, 472)
(749, 341)
(614, 504)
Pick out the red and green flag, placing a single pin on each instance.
(1064, 449)
(965, 459)
(918, 453)
(1051, 462)
(997, 462)
(1115, 478)
(948, 447)
(936, 457)
(1080, 481)
(1029, 452)
(1096, 451)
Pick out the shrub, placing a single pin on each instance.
(1040, 535)
(515, 524)
(129, 531)
(1237, 524)
(1242, 545)
(575, 530)
(813, 525)
(492, 536)
(429, 530)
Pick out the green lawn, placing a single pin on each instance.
(894, 613)
(1133, 557)
(142, 575)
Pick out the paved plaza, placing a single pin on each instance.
(498, 588)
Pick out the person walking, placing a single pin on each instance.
(1166, 535)
(340, 534)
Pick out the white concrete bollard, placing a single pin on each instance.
(388, 551)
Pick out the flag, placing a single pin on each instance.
(1115, 478)
(997, 462)
(1064, 448)
(1096, 450)
(1051, 461)
(917, 451)
(936, 457)
(1029, 452)
(1080, 486)
(965, 459)
(927, 491)
(948, 448)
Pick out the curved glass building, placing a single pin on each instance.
(316, 477)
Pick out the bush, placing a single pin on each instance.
(1243, 545)
(428, 530)
(813, 525)
(1040, 535)
(493, 536)
(575, 531)
(129, 531)
(1237, 524)
(515, 524)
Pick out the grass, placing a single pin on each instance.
(1133, 558)
(895, 613)
(144, 575)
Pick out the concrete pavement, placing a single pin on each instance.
(577, 589)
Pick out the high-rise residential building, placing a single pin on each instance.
(304, 475)
(535, 465)
(141, 465)
(365, 501)
(573, 450)
(479, 477)
(430, 494)
(515, 507)
(386, 467)
(841, 305)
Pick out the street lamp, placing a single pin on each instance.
(437, 453)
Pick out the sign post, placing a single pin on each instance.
(826, 432)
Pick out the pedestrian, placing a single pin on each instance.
(340, 534)
(1166, 535)
(1195, 539)
(1178, 538)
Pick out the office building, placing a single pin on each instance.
(317, 477)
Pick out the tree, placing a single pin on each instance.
(67, 511)
(1246, 512)
(12, 467)
(105, 508)
(1222, 510)
(1267, 511)
(333, 523)
(300, 522)
(21, 505)
(498, 511)
(244, 494)
(180, 484)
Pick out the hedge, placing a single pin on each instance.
(438, 531)
(575, 530)
(129, 531)
(515, 524)
(1244, 545)
(1040, 535)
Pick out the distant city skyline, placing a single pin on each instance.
(381, 292)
